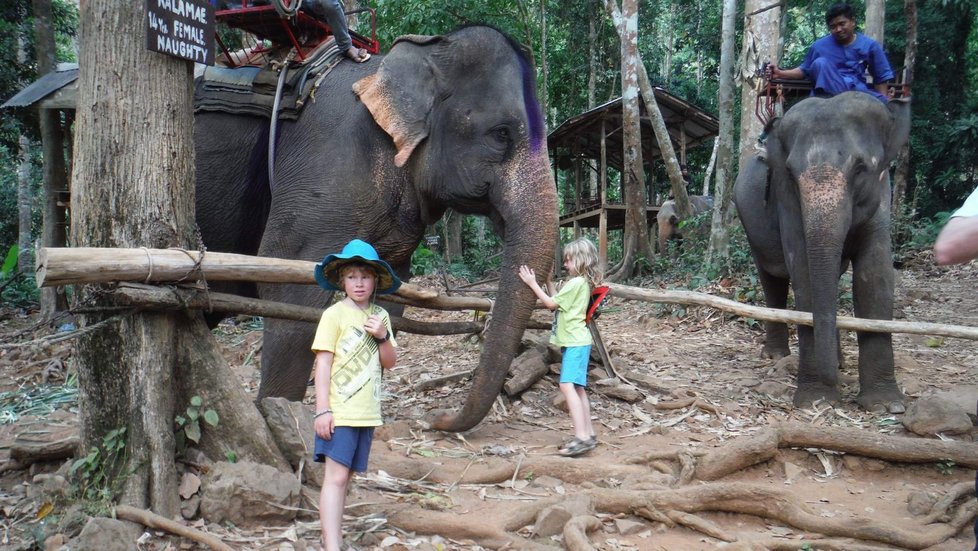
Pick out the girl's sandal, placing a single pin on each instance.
(578, 447)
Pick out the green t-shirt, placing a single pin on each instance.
(568, 328)
(355, 376)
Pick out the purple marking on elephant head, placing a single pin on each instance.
(533, 112)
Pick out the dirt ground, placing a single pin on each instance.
(686, 353)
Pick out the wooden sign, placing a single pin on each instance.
(181, 28)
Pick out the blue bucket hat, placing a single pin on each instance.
(328, 271)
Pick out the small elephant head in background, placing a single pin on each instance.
(668, 221)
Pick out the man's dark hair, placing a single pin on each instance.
(839, 9)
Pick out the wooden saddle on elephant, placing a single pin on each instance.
(250, 90)
(778, 93)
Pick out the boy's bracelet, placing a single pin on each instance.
(383, 340)
(321, 413)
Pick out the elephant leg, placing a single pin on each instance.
(776, 334)
(872, 296)
(286, 358)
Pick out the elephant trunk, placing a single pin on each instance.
(827, 215)
(529, 214)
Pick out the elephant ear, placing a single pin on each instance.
(400, 95)
(899, 130)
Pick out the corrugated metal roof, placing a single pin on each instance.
(65, 74)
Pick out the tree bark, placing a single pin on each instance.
(54, 228)
(901, 176)
(676, 182)
(453, 237)
(133, 178)
(761, 35)
(718, 249)
(24, 206)
(633, 170)
(875, 18)
(710, 166)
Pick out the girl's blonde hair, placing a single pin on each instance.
(584, 257)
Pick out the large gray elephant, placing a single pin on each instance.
(439, 122)
(820, 200)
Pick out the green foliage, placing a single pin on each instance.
(189, 427)
(945, 467)
(9, 262)
(424, 261)
(95, 474)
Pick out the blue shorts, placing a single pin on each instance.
(573, 366)
(350, 447)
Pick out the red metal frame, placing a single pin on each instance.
(303, 33)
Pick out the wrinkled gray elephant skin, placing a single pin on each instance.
(818, 202)
(386, 147)
(667, 219)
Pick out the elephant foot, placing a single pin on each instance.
(772, 352)
(882, 401)
(809, 393)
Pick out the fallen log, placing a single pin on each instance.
(789, 316)
(179, 298)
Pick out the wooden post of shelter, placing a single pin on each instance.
(603, 214)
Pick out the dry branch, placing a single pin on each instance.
(789, 316)
(152, 520)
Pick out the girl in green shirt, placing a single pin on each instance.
(572, 335)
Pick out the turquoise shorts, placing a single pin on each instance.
(573, 366)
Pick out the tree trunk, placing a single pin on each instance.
(135, 108)
(543, 94)
(24, 207)
(875, 17)
(633, 171)
(901, 175)
(54, 227)
(453, 237)
(676, 182)
(710, 166)
(666, 69)
(761, 35)
(718, 249)
(592, 78)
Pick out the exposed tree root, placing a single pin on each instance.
(744, 452)
(575, 533)
(679, 506)
(772, 544)
(779, 505)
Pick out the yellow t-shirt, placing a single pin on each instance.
(355, 376)
(568, 328)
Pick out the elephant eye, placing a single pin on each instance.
(501, 134)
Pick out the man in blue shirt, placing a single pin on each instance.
(838, 62)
